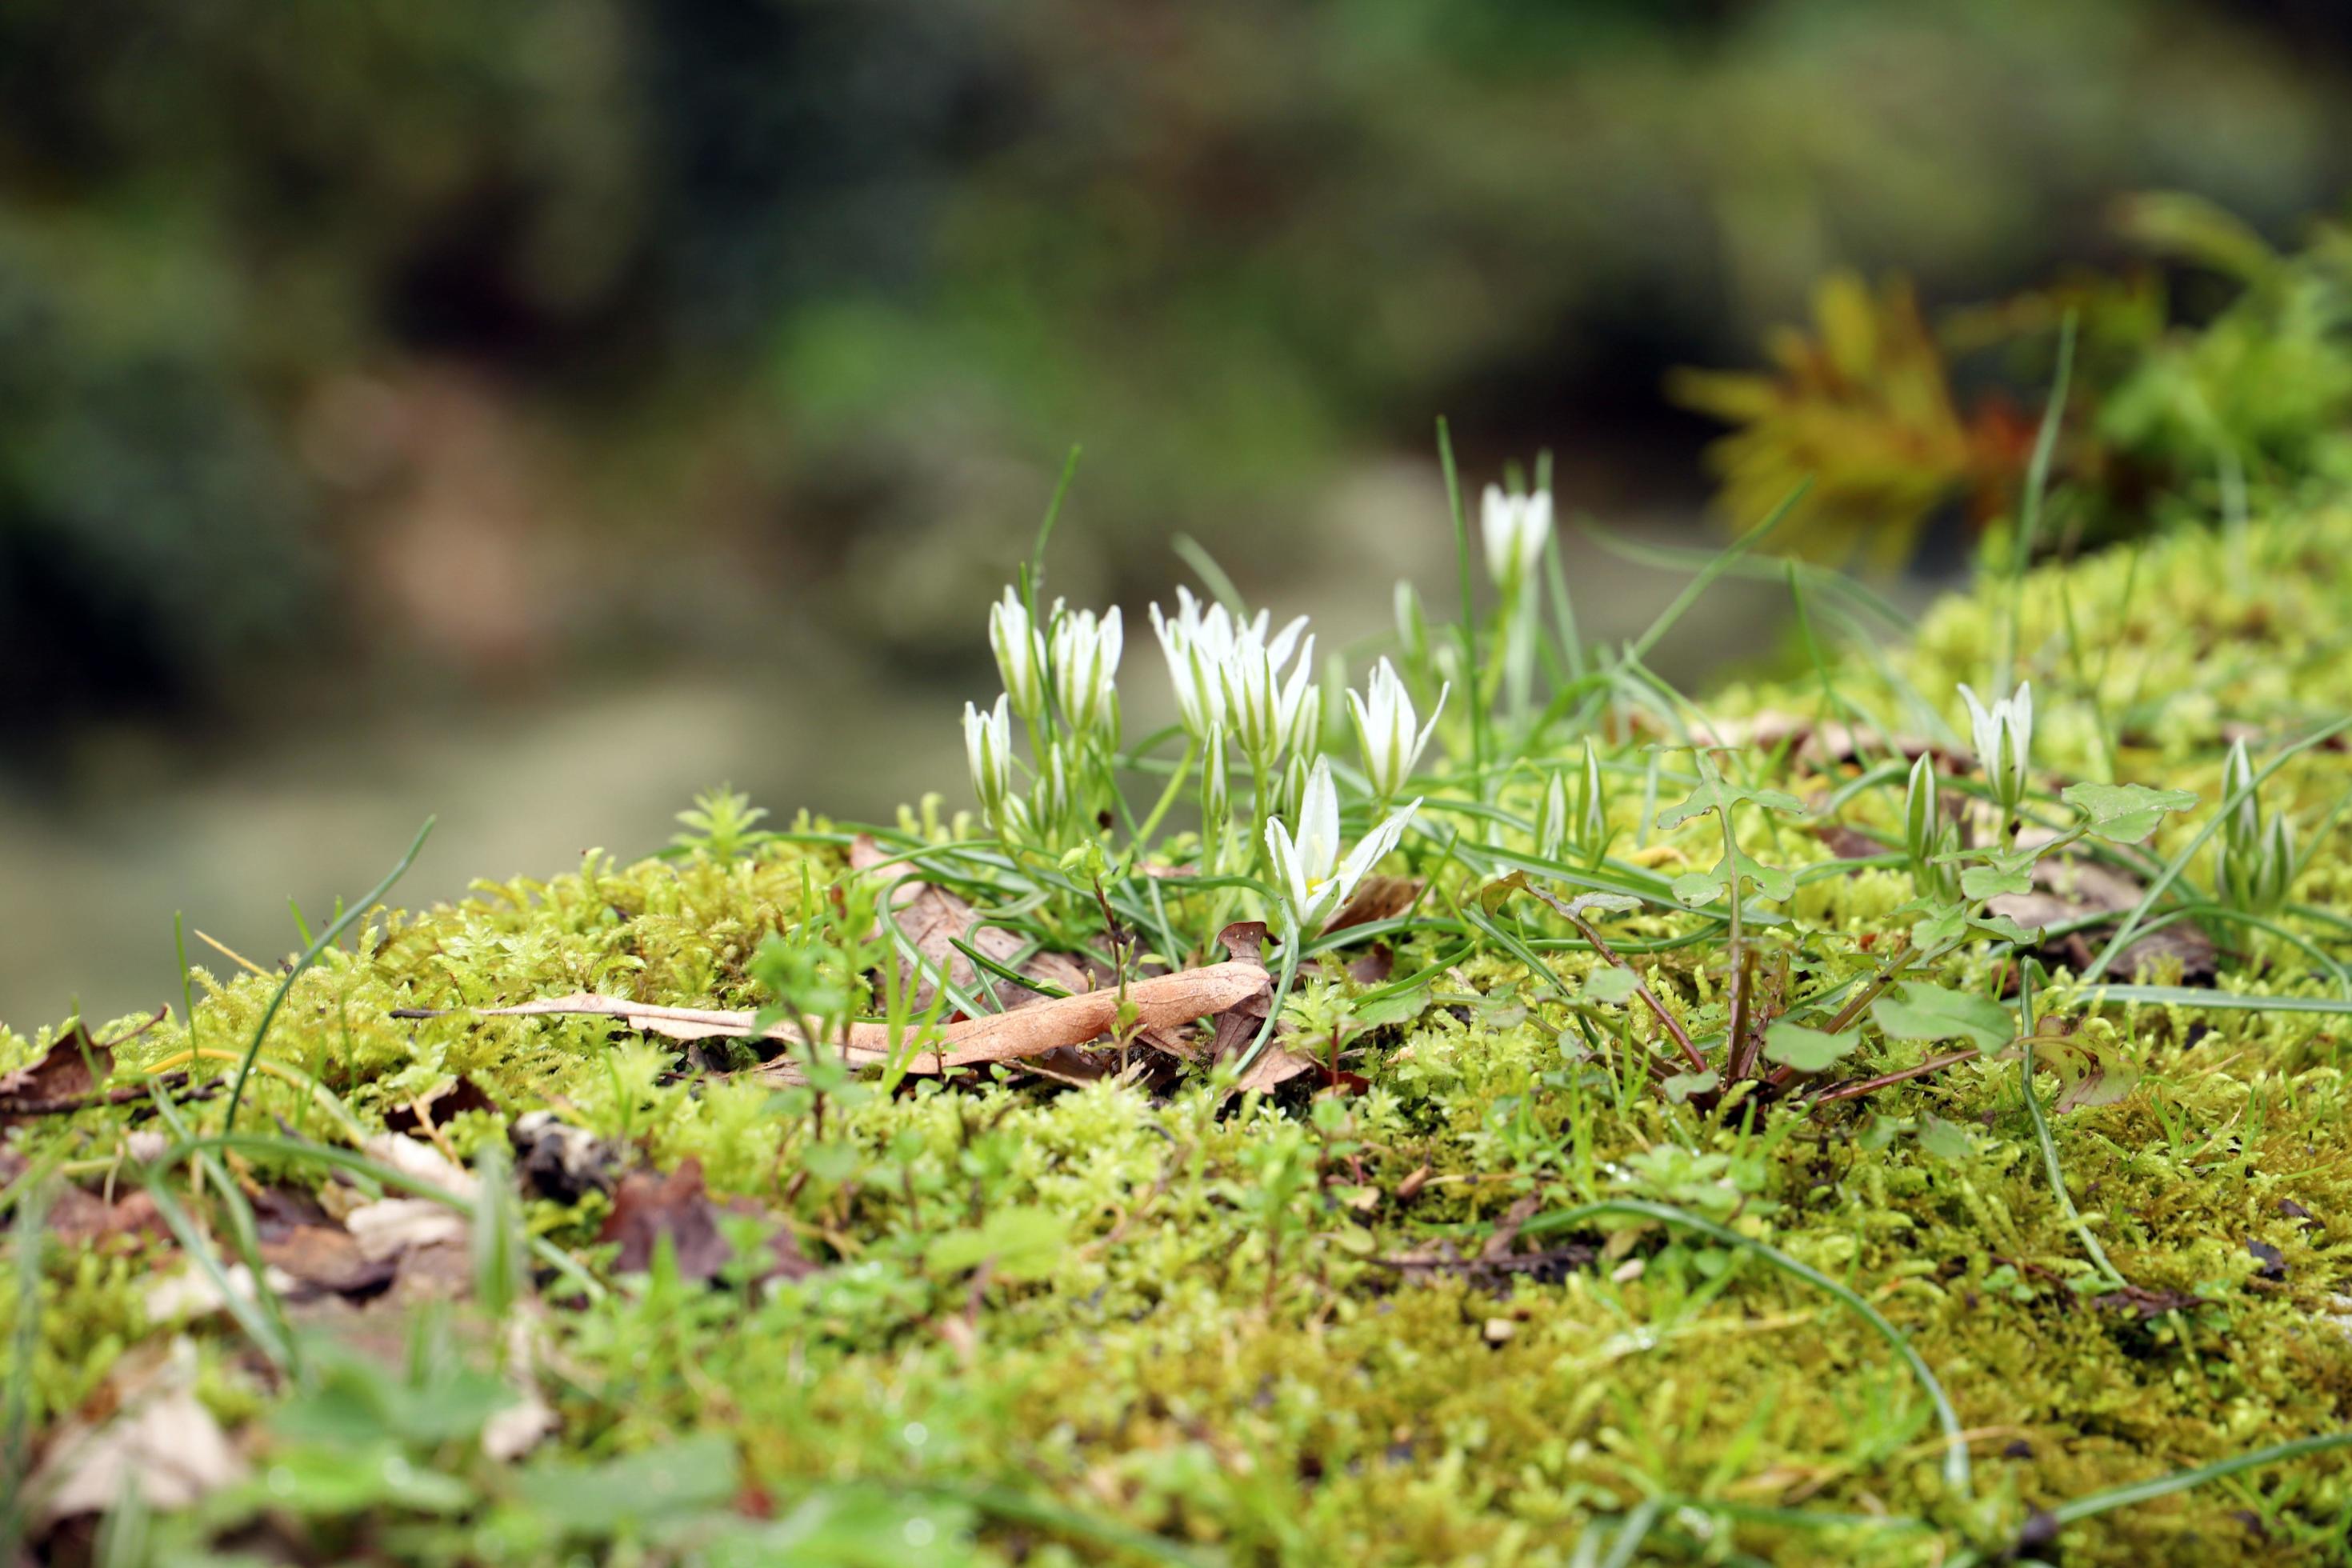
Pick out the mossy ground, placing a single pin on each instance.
(1195, 1330)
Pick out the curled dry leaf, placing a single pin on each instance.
(1164, 1000)
(391, 1226)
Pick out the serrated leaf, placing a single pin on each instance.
(1682, 1085)
(1704, 886)
(1713, 795)
(2008, 929)
(2125, 813)
(1610, 985)
(1984, 882)
(1941, 925)
(1808, 1050)
(1924, 1012)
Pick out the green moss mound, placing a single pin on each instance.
(1273, 1328)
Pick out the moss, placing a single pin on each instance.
(1217, 1352)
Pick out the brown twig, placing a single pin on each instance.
(1855, 1088)
(170, 1083)
(1584, 928)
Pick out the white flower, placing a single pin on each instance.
(2004, 741)
(1384, 728)
(988, 746)
(1086, 667)
(1020, 652)
(1516, 528)
(1314, 883)
(1263, 711)
(1198, 642)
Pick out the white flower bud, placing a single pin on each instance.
(1019, 650)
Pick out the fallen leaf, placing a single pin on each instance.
(86, 1218)
(648, 1206)
(934, 920)
(1376, 898)
(161, 1434)
(2067, 887)
(70, 1072)
(1164, 1000)
(328, 1258)
(192, 1292)
(457, 1097)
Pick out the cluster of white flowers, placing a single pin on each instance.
(1246, 696)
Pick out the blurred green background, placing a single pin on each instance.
(530, 410)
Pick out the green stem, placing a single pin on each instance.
(1167, 798)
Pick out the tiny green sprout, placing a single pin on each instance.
(1216, 790)
(2255, 862)
(1411, 628)
(1551, 818)
(1927, 836)
(722, 823)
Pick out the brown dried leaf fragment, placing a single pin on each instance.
(648, 1206)
(934, 920)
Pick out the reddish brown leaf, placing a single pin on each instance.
(648, 1206)
(68, 1072)
(457, 1097)
(1376, 898)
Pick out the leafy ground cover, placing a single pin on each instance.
(1843, 1119)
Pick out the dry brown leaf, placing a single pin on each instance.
(648, 1206)
(68, 1072)
(1376, 898)
(163, 1435)
(1162, 1001)
(2066, 887)
(934, 920)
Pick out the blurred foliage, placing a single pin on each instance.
(819, 292)
(2176, 401)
